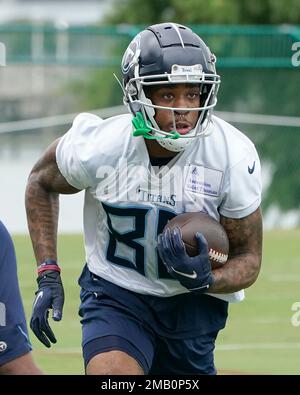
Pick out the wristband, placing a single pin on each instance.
(48, 264)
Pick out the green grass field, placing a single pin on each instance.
(259, 337)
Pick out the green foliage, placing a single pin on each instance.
(269, 91)
(136, 11)
(203, 11)
(99, 90)
(214, 11)
(284, 11)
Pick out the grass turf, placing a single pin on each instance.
(259, 337)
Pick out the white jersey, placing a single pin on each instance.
(128, 202)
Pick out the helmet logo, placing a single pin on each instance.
(131, 55)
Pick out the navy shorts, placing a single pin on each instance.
(114, 318)
(14, 341)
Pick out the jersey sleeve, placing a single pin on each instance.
(242, 187)
(75, 150)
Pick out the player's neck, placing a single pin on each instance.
(155, 150)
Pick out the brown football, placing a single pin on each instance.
(212, 230)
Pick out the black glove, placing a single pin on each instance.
(50, 295)
(194, 273)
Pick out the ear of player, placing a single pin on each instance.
(50, 295)
(194, 273)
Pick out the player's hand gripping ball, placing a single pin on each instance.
(191, 245)
(212, 230)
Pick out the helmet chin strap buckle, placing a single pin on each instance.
(141, 127)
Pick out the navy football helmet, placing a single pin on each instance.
(168, 53)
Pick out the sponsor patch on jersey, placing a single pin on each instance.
(203, 180)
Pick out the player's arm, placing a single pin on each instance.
(45, 183)
(243, 266)
(195, 273)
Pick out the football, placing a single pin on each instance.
(212, 230)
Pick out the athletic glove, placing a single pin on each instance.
(194, 273)
(50, 295)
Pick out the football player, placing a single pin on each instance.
(169, 155)
(15, 347)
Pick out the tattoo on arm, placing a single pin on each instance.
(44, 184)
(243, 265)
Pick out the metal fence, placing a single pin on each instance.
(236, 46)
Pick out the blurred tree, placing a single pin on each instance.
(99, 90)
(136, 11)
(265, 91)
(204, 11)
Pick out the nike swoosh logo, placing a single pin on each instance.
(251, 169)
(39, 296)
(193, 275)
(197, 289)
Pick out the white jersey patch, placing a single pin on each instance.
(204, 181)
